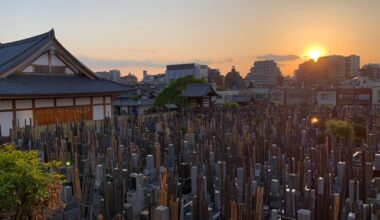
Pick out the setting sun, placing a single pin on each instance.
(314, 54)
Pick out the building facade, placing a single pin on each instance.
(372, 71)
(154, 79)
(277, 97)
(233, 80)
(42, 83)
(113, 75)
(264, 74)
(354, 96)
(214, 77)
(129, 79)
(329, 69)
(325, 97)
(176, 71)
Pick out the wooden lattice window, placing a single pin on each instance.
(41, 69)
(58, 69)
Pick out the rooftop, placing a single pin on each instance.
(198, 90)
(32, 85)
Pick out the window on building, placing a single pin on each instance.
(363, 97)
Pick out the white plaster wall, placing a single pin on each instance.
(108, 99)
(97, 100)
(44, 103)
(109, 111)
(69, 71)
(6, 122)
(98, 112)
(329, 98)
(55, 61)
(28, 69)
(22, 104)
(65, 102)
(42, 60)
(6, 105)
(83, 101)
(21, 116)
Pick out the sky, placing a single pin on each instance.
(137, 35)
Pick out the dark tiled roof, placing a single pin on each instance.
(242, 98)
(29, 85)
(198, 90)
(14, 53)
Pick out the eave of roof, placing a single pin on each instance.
(195, 90)
(55, 85)
(17, 53)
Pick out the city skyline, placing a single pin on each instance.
(135, 36)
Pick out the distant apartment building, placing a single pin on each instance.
(354, 96)
(329, 69)
(325, 97)
(129, 79)
(277, 97)
(176, 71)
(153, 78)
(233, 80)
(113, 75)
(214, 77)
(352, 66)
(264, 74)
(372, 71)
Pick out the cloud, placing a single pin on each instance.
(114, 63)
(99, 62)
(278, 57)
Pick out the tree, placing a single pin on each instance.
(172, 93)
(28, 186)
(231, 104)
(339, 128)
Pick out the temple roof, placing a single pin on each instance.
(242, 98)
(194, 90)
(55, 85)
(14, 53)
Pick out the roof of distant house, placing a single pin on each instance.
(242, 98)
(194, 90)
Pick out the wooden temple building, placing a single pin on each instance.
(202, 94)
(43, 83)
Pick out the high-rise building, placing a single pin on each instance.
(372, 71)
(113, 75)
(264, 74)
(334, 68)
(176, 71)
(153, 78)
(129, 79)
(215, 77)
(233, 80)
(352, 66)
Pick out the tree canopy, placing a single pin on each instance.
(28, 186)
(339, 128)
(172, 93)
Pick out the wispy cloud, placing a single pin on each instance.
(101, 62)
(278, 57)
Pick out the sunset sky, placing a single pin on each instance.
(146, 35)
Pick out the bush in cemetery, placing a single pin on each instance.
(29, 188)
